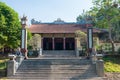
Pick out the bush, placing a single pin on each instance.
(112, 67)
(112, 63)
(118, 50)
(33, 53)
(3, 68)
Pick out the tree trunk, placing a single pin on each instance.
(113, 47)
(111, 40)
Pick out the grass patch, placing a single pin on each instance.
(4, 78)
(3, 66)
(3, 62)
(112, 64)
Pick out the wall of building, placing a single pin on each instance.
(57, 35)
(117, 46)
(78, 47)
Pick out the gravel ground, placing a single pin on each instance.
(112, 76)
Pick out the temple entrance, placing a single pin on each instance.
(70, 44)
(47, 44)
(58, 43)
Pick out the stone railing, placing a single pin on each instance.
(13, 64)
(99, 64)
(100, 68)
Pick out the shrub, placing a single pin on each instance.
(112, 63)
(118, 50)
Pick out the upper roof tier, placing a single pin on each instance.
(59, 28)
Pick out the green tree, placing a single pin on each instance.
(35, 42)
(106, 13)
(82, 36)
(85, 18)
(10, 28)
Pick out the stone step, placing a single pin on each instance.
(41, 72)
(55, 67)
(56, 62)
(58, 53)
(54, 78)
(94, 78)
(55, 75)
(64, 69)
(52, 70)
(57, 78)
(43, 69)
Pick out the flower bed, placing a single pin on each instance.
(112, 63)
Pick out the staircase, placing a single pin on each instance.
(60, 53)
(56, 69)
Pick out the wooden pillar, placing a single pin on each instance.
(75, 43)
(42, 43)
(77, 46)
(64, 43)
(53, 44)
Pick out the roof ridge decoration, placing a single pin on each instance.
(33, 21)
(59, 21)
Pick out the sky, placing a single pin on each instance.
(49, 10)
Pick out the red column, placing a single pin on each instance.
(75, 43)
(53, 43)
(42, 43)
(64, 43)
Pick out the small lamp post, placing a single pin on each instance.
(24, 36)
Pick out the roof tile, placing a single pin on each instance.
(58, 28)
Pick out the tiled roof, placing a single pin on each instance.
(58, 28)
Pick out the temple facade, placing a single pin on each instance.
(61, 36)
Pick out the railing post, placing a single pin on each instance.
(100, 68)
(19, 59)
(11, 66)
